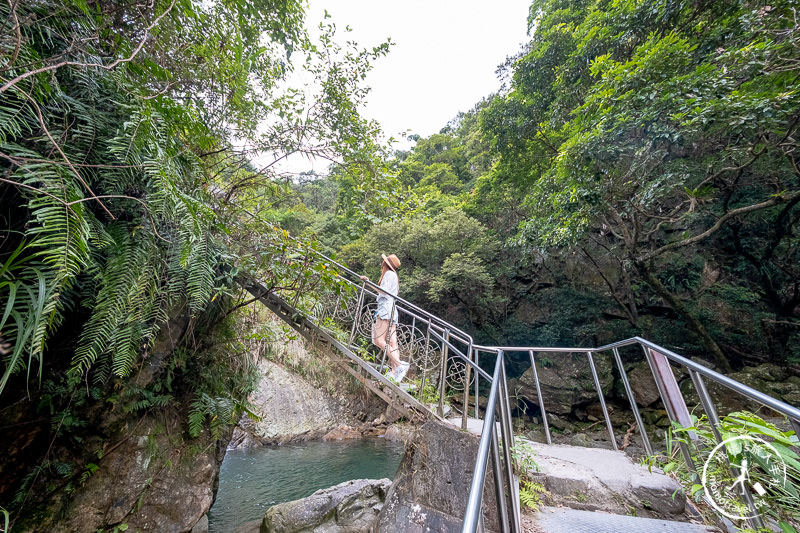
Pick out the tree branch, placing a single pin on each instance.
(775, 200)
(113, 64)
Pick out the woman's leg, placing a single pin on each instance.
(379, 340)
(394, 350)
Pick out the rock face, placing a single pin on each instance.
(146, 474)
(431, 487)
(768, 378)
(290, 408)
(566, 381)
(350, 507)
(156, 486)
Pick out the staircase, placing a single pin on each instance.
(445, 362)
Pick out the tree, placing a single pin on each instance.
(116, 121)
(650, 131)
(445, 264)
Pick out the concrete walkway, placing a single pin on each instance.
(597, 479)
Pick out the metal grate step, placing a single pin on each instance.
(559, 520)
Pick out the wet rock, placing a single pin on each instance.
(400, 433)
(560, 423)
(593, 411)
(536, 435)
(348, 507)
(580, 439)
(391, 415)
(290, 408)
(342, 433)
(201, 526)
(254, 526)
(157, 486)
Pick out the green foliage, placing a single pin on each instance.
(219, 411)
(55, 471)
(444, 258)
(782, 499)
(643, 132)
(531, 494)
(71, 134)
(125, 132)
(108, 159)
(523, 457)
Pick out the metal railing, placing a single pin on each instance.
(505, 482)
(660, 361)
(445, 361)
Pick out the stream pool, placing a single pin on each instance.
(254, 479)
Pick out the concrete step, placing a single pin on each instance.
(595, 479)
(560, 520)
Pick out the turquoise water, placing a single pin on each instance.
(252, 480)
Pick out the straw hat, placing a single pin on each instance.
(391, 261)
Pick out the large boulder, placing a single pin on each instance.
(431, 487)
(566, 381)
(349, 507)
(290, 409)
(643, 384)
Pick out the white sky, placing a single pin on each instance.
(444, 59)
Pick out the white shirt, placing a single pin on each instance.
(390, 285)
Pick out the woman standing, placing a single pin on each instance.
(386, 316)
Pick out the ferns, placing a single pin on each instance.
(128, 257)
(219, 410)
(531, 494)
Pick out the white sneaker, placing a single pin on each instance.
(401, 371)
(391, 375)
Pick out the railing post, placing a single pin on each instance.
(796, 425)
(499, 488)
(443, 372)
(357, 318)
(708, 406)
(477, 377)
(602, 401)
(634, 407)
(539, 395)
(467, 375)
(659, 375)
(508, 447)
(705, 401)
(424, 367)
(473, 511)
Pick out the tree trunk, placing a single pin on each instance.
(695, 325)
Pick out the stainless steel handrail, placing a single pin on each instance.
(447, 334)
(502, 467)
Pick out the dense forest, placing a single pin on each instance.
(636, 174)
